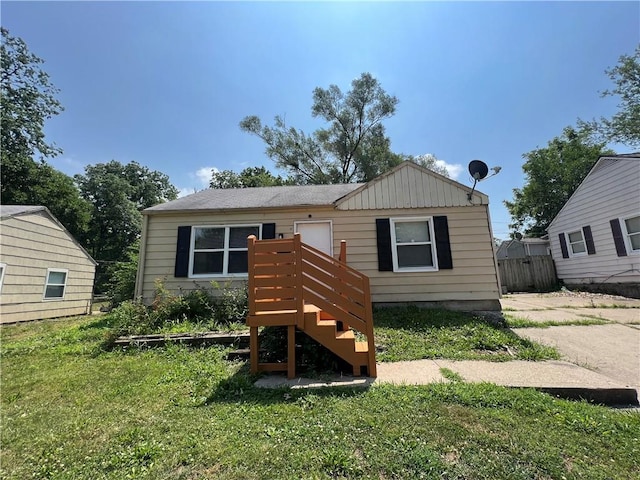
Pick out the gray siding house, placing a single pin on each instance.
(416, 234)
(595, 238)
(44, 272)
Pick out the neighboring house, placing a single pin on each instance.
(416, 234)
(44, 272)
(525, 247)
(595, 238)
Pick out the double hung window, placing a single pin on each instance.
(220, 250)
(576, 243)
(632, 228)
(55, 285)
(413, 247)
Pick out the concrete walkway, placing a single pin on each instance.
(600, 363)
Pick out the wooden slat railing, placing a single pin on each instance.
(285, 274)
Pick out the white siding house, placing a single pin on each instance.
(420, 237)
(44, 272)
(595, 238)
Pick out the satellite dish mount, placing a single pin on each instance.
(479, 171)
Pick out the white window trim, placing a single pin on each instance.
(64, 285)
(4, 270)
(432, 243)
(330, 222)
(225, 259)
(569, 244)
(627, 240)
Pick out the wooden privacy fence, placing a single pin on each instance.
(529, 274)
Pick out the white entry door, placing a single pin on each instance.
(318, 234)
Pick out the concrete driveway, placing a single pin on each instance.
(597, 332)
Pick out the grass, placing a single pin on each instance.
(411, 333)
(513, 321)
(72, 411)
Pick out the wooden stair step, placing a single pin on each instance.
(362, 347)
(346, 335)
(326, 323)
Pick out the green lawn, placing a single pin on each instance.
(73, 411)
(411, 333)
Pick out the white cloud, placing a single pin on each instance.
(201, 178)
(454, 169)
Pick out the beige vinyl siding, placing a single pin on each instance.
(410, 187)
(30, 244)
(472, 278)
(611, 190)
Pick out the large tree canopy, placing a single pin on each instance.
(28, 99)
(249, 177)
(117, 193)
(624, 125)
(352, 147)
(552, 174)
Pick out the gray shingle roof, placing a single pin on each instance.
(259, 197)
(11, 210)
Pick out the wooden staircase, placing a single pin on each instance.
(295, 285)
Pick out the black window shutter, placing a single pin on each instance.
(443, 245)
(588, 238)
(385, 258)
(563, 245)
(182, 252)
(618, 239)
(268, 231)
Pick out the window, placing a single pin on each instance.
(220, 250)
(576, 243)
(632, 227)
(3, 268)
(56, 283)
(413, 248)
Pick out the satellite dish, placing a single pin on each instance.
(478, 169)
(518, 236)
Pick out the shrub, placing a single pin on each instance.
(121, 282)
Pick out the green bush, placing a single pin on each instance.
(197, 309)
(121, 282)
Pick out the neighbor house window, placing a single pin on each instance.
(3, 268)
(412, 243)
(220, 250)
(632, 227)
(576, 243)
(56, 284)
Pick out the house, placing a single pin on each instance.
(523, 247)
(420, 237)
(595, 238)
(44, 272)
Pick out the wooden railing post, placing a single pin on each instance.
(372, 370)
(297, 247)
(343, 251)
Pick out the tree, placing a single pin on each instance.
(353, 147)
(624, 125)
(28, 182)
(429, 161)
(117, 193)
(249, 177)
(552, 174)
(122, 277)
(28, 99)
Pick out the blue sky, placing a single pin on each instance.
(166, 83)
